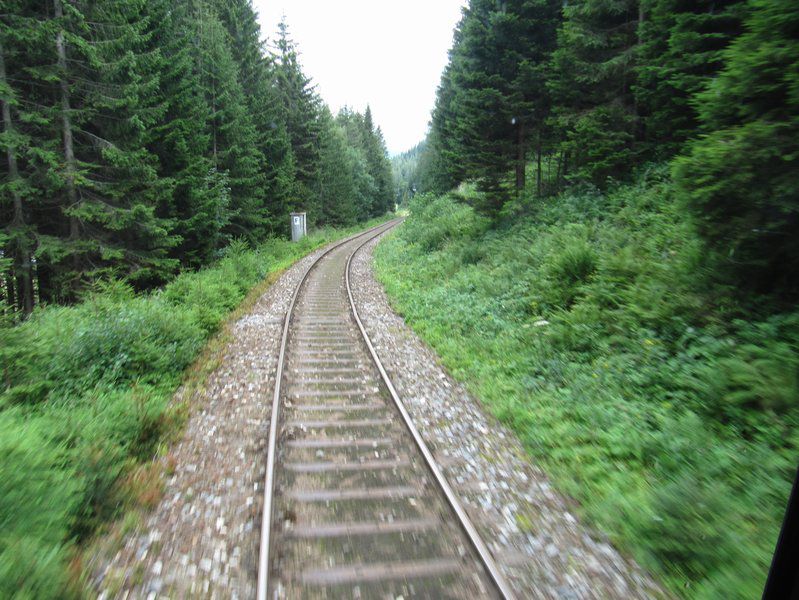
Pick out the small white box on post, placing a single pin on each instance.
(298, 228)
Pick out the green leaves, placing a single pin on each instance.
(739, 181)
(85, 396)
(587, 327)
(492, 99)
(184, 133)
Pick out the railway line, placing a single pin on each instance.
(354, 503)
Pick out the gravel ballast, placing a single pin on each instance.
(202, 538)
(539, 543)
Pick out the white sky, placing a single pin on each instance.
(384, 53)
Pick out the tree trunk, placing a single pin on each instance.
(66, 126)
(22, 251)
(557, 170)
(12, 299)
(539, 175)
(44, 277)
(520, 159)
(638, 121)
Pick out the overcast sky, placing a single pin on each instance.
(384, 53)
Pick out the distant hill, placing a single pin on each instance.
(405, 167)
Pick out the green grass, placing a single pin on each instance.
(591, 325)
(85, 399)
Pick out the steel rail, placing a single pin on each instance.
(269, 482)
(468, 527)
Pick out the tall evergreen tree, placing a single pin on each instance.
(302, 112)
(682, 43)
(341, 184)
(367, 140)
(257, 73)
(440, 169)
(233, 134)
(492, 104)
(379, 166)
(32, 135)
(106, 182)
(592, 86)
(405, 171)
(198, 204)
(138, 134)
(15, 190)
(741, 179)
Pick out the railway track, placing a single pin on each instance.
(354, 504)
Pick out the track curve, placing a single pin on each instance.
(354, 503)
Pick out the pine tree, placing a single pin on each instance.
(378, 165)
(106, 184)
(32, 135)
(340, 180)
(138, 134)
(440, 169)
(257, 73)
(492, 103)
(367, 140)
(301, 110)
(592, 87)
(682, 43)
(15, 190)
(405, 171)
(740, 180)
(233, 135)
(199, 197)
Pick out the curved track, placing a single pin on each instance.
(354, 504)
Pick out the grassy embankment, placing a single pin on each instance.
(86, 402)
(590, 326)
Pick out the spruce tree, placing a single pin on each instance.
(378, 165)
(137, 135)
(31, 133)
(492, 104)
(368, 142)
(592, 87)
(740, 180)
(302, 112)
(233, 135)
(440, 168)
(340, 179)
(257, 73)
(106, 184)
(16, 192)
(199, 198)
(682, 44)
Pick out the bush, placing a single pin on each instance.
(591, 327)
(85, 396)
(439, 220)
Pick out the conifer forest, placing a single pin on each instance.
(142, 138)
(609, 195)
(600, 243)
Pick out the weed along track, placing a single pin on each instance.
(354, 504)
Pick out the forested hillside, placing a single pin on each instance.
(590, 90)
(606, 253)
(142, 137)
(152, 152)
(405, 168)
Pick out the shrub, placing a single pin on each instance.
(84, 398)
(439, 220)
(592, 328)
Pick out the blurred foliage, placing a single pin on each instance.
(740, 179)
(85, 396)
(591, 325)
